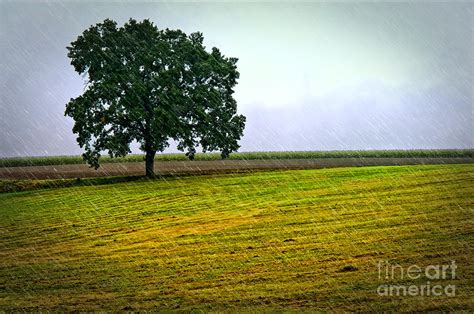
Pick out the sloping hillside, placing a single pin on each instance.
(301, 239)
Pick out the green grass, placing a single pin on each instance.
(11, 186)
(278, 240)
(65, 160)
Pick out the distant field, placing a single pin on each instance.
(277, 240)
(66, 160)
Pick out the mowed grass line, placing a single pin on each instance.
(265, 241)
(415, 153)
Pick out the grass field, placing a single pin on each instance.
(66, 160)
(293, 240)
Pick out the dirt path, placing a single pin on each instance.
(182, 167)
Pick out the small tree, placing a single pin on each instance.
(151, 86)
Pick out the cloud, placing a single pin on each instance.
(313, 75)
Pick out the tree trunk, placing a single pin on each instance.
(149, 163)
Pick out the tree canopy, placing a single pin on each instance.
(152, 85)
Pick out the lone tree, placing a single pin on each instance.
(151, 86)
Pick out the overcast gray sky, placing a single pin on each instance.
(314, 76)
